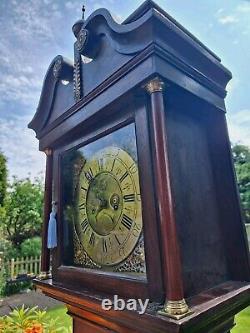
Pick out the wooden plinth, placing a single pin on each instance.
(213, 311)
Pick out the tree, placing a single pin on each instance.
(241, 156)
(22, 218)
(3, 177)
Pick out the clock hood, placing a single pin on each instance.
(111, 57)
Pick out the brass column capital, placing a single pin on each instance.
(154, 85)
(48, 151)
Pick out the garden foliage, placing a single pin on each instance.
(31, 320)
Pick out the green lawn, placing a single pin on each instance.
(61, 313)
(242, 319)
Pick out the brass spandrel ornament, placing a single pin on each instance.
(135, 263)
(81, 256)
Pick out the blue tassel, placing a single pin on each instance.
(52, 234)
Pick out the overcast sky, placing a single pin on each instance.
(33, 32)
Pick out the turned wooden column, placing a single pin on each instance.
(45, 258)
(175, 305)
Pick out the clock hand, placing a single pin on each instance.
(114, 201)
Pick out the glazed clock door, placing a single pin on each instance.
(102, 211)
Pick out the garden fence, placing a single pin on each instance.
(28, 265)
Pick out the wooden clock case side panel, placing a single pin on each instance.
(110, 119)
(203, 253)
(232, 222)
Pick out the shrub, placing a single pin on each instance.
(2, 281)
(30, 320)
(22, 216)
(31, 247)
(14, 288)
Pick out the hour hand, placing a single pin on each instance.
(114, 201)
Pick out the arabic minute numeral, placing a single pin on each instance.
(101, 164)
(133, 168)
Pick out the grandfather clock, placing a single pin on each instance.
(139, 164)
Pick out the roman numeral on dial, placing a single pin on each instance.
(89, 174)
(82, 205)
(123, 176)
(84, 225)
(117, 239)
(84, 189)
(113, 164)
(126, 221)
(104, 245)
(129, 197)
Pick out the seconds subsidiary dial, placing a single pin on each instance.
(109, 220)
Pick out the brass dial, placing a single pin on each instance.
(109, 220)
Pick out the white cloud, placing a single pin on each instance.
(239, 126)
(34, 20)
(22, 67)
(73, 5)
(245, 32)
(229, 19)
(234, 83)
(117, 18)
(27, 46)
(19, 87)
(97, 5)
(237, 17)
(220, 10)
(244, 7)
(21, 148)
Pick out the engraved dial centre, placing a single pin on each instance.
(103, 203)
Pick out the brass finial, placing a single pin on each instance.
(83, 11)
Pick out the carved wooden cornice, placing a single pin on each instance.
(100, 38)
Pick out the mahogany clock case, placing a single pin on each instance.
(204, 212)
(141, 286)
(111, 95)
